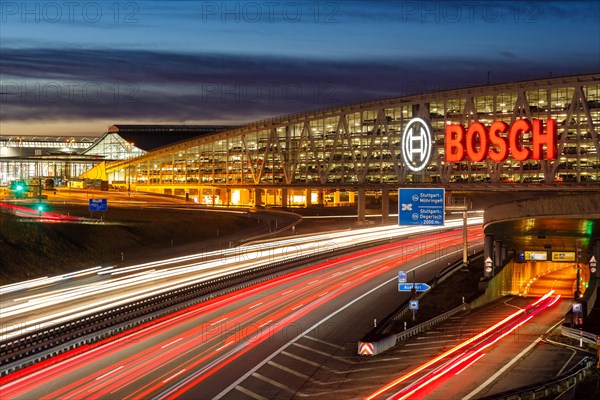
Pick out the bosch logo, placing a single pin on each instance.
(416, 145)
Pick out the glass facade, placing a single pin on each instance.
(342, 149)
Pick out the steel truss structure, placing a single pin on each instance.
(358, 145)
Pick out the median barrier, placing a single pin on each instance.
(391, 341)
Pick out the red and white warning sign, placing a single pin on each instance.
(365, 349)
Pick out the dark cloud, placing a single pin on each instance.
(75, 84)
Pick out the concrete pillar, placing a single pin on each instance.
(284, 198)
(308, 198)
(385, 205)
(361, 206)
(488, 247)
(497, 253)
(488, 252)
(257, 197)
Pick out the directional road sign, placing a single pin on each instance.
(421, 206)
(401, 277)
(98, 205)
(413, 305)
(419, 287)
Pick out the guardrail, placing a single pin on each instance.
(33, 347)
(578, 334)
(388, 342)
(556, 386)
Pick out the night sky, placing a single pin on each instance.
(76, 67)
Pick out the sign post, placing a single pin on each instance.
(98, 205)
(593, 266)
(488, 267)
(421, 206)
(401, 277)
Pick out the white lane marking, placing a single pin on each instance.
(274, 383)
(266, 323)
(288, 370)
(567, 363)
(256, 305)
(170, 343)
(297, 307)
(311, 349)
(324, 342)
(216, 322)
(109, 372)
(319, 323)
(304, 360)
(222, 347)
(250, 393)
(288, 292)
(502, 370)
(434, 341)
(173, 376)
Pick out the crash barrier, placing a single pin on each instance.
(556, 386)
(41, 344)
(578, 334)
(390, 341)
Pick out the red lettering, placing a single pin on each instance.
(475, 131)
(455, 143)
(517, 129)
(478, 143)
(539, 139)
(498, 141)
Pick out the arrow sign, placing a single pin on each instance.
(419, 287)
(488, 262)
(593, 261)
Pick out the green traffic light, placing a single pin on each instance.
(19, 188)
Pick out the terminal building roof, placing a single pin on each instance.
(150, 137)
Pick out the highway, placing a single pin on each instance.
(200, 352)
(461, 371)
(31, 305)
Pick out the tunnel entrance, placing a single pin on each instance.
(534, 279)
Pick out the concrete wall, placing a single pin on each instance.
(581, 205)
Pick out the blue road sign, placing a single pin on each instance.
(401, 277)
(98, 205)
(577, 308)
(421, 206)
(413, 305)
(419, 287)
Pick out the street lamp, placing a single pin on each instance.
(129, 149)
(70, 166)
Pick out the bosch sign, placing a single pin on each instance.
(417, 145)
(478, 143)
